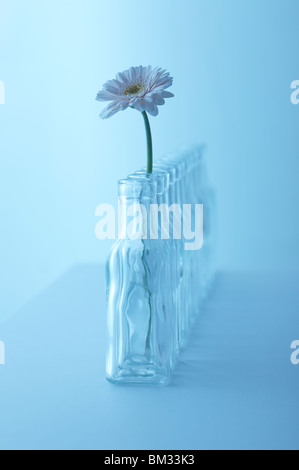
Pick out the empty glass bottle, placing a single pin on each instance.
(139, 323)
(164, 231)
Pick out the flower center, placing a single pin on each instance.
(134, 89)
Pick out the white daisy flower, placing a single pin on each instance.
(141, 88)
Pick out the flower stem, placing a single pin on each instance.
(149, 143)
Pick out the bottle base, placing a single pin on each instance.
(136, 372)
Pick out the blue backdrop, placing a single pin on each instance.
(233, 64)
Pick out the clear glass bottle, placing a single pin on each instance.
(194, 195)
(172, 160)
(139, 325)
(206, 195)
(174, 198)
(169, 245)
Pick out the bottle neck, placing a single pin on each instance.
(135, 199)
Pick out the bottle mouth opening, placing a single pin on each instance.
(139, 188)
(160, 176)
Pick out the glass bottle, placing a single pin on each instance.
(173, 198)
(181, 190)
(169, 245)
(139, 324)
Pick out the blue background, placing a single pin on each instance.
(233, 62)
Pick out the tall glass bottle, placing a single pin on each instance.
(169, 246)
(172, 200)
(192, 158)
(181, 199)
(139, 325)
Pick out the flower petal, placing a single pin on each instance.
(105, 95)
(154, 112)
(132, 74)
(156, 98)
(111, 109)
(113, 86)
(151, 108)
(124, 105)
(140, 106)
(164, 82)
(166, 94)
(122, 78)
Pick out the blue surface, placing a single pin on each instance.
(234, 387)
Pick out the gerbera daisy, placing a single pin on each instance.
(140, 88)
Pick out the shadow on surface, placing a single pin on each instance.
(233, 387)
